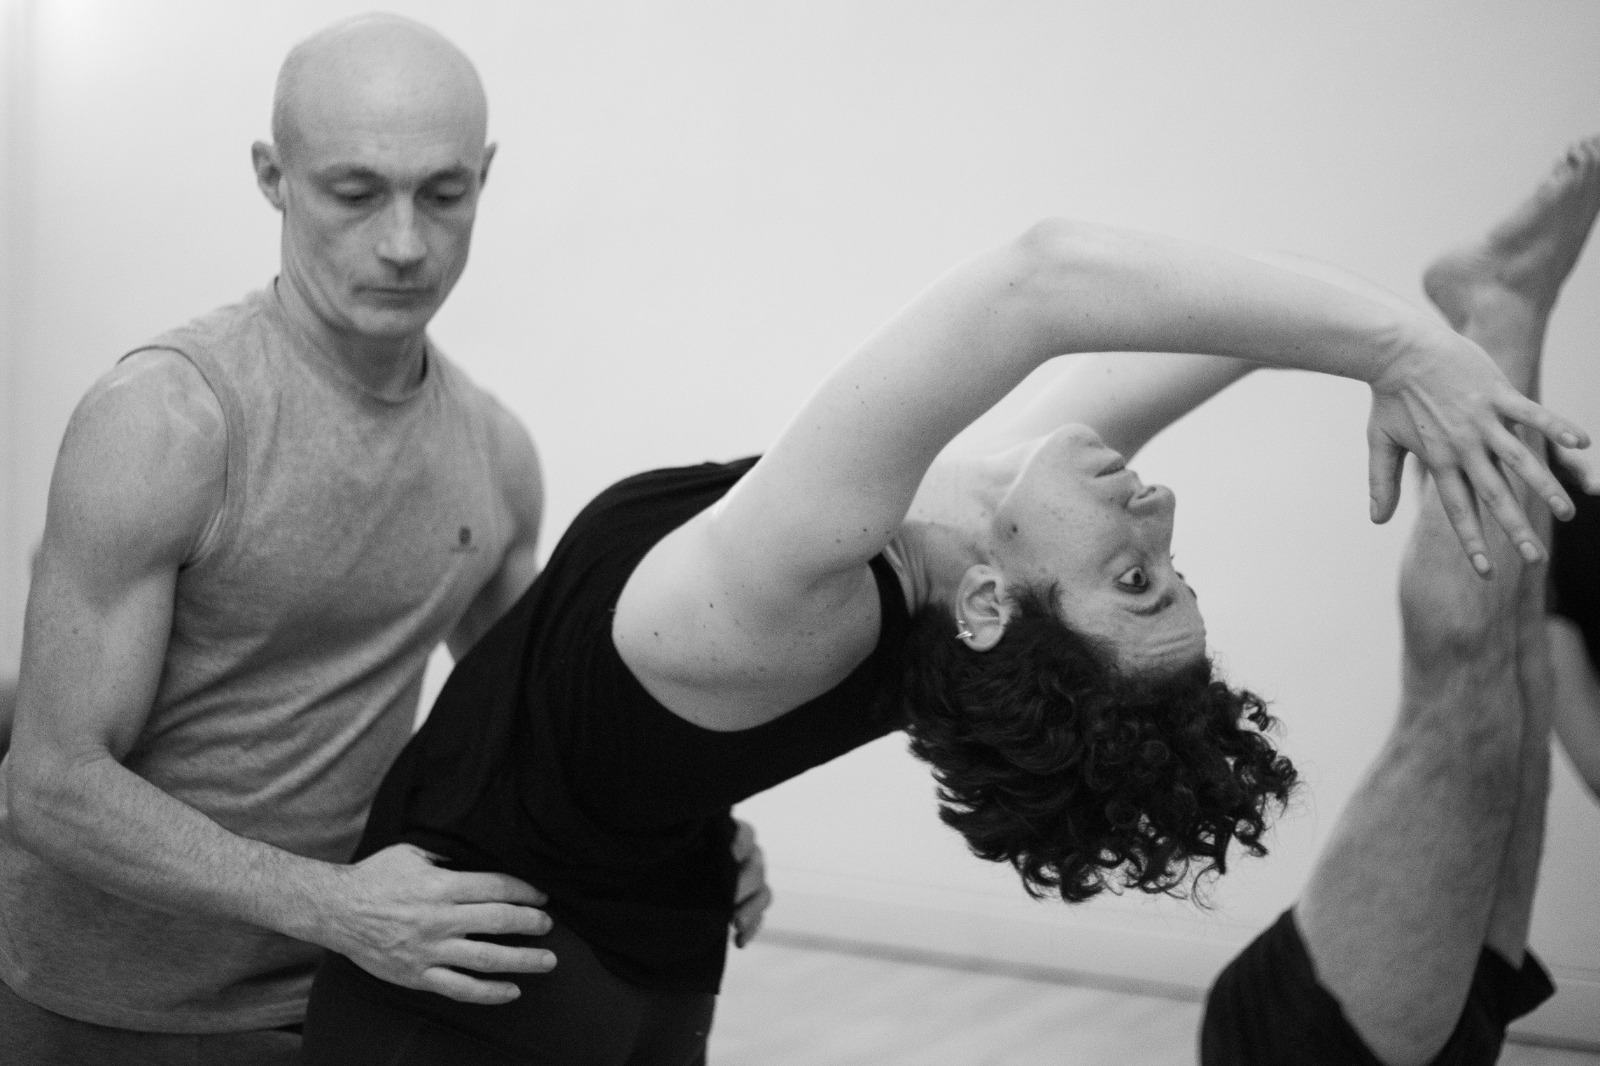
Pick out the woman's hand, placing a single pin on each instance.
(1447, 403)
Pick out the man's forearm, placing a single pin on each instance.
(100, 822)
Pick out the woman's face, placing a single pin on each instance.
(1077, 517)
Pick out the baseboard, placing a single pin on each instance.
(1571, 1018)
(1120, 952)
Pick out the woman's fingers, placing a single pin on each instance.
(1490, 489)
(1534, 472)
(1462, 511)
(1518, 408)
(1384, 463)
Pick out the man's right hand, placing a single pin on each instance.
(404, 919)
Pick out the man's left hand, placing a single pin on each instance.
(752, 897)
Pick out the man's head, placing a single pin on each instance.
(377, 160)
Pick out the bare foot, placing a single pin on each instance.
(1530, 253)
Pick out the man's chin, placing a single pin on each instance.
(391, 323)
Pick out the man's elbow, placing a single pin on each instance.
(40, 787)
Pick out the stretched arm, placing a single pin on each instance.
(1126, 397)
(130, 501)
(837, 484)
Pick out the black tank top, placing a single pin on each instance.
(546, 759)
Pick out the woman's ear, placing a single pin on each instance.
(982, 607)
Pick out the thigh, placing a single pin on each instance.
(33, 1036)
(1398, 906)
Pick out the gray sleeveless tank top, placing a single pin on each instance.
(353, 534)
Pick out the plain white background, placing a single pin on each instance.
(699, 207)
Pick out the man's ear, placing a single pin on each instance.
(269, 172)
(982, 607)
(483, 168)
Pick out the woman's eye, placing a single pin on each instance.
(1134, 578)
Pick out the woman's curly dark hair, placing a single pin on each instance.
(1080, 775)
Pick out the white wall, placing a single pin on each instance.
(14, 63)
(698, 207)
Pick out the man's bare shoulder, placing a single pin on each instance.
(515, 460)
(144, 458)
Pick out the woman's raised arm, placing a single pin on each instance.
(837, 484)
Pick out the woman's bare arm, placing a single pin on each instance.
(1126, 397)
(838, 482)
(784, 552)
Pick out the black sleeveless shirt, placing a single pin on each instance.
(546, 759)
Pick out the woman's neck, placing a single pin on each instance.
(946, 530)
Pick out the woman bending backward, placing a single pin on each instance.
(701, 634)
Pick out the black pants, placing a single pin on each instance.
(576, 1015)
(1267, 1008)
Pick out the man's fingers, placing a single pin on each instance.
(1384, 459)
(752, 876)
(492, 888)
(1462, 511)
(486, 957)
(744, 840)
(747, 917)
(501, 919)
(460, 987)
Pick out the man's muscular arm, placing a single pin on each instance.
(521, 483)
(137, 486)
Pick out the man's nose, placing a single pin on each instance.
(401, 244)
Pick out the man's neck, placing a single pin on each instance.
(380, 366)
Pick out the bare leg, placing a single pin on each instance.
(1500, 293)
(1436, 855)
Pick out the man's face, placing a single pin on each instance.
(378, 207)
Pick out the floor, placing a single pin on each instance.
(787, 1005)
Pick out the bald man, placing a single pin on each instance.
(259, 527)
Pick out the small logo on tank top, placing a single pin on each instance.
(464, 541)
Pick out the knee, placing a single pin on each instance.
(1449, 614)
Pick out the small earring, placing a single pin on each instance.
(962, 632)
